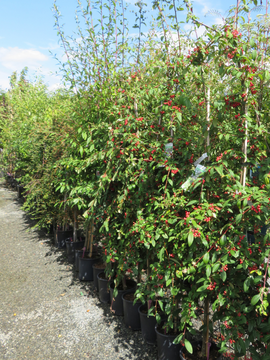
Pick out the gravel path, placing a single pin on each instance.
(45, 312)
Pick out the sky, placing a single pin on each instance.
(28, 34)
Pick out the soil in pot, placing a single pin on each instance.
(131, 313)
(103, 292)
(86, 267)
(97, 269)
(166, 349)
(197, 347)
(117, 303)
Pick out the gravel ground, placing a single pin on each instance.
(45, 311)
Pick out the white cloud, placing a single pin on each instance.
(14, 58)
(4, 80)
(56, 86)
(219, 21)
(199, 31)
(50, 47)
(205, 5)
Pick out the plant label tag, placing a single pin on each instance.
(199, 170)
(197, 162)
(168, 149)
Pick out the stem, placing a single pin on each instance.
(75, 224)
(123, 34)
(135, 108)
(177, 27)
(148, 272)
(175, 322)
(208, 119)
(244, 171)
(236, 14)
(206, 329)
(266, 270)
(102, 33)
(124, 283)
(115, 29)
(91, 238)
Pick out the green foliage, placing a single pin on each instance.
(122, 148)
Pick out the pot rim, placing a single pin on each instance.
(99, 268)
(112, 286)
(130, 301)
(144, 314)
(102, 278)
(165, 335)
(87, 258)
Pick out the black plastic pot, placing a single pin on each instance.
(148, 324)
(117, 303)
(96, 271)
(77, 254)
(20, 190)
(86, 268)
(166, 349)
(62, 236)
(71, 247)
(197, 346)
(103, 292)
(131, 313)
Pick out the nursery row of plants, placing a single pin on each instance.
(158, 148)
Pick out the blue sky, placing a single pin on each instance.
(27, 34)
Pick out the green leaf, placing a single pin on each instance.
(81, 150)
(223, 240)
(202, 288)
(246, 284)
(215, 267)
(190, 238)
(238, 218)
(208, 271)
(160, 255)
(255, 299)
(254, 55)
(252, 43)
(206, 258)
(188, 346)
(178, 339)
(266, 75)
(219, 169)
(223, 275)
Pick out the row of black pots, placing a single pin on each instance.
(135, 315)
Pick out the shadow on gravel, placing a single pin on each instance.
(124, 337)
